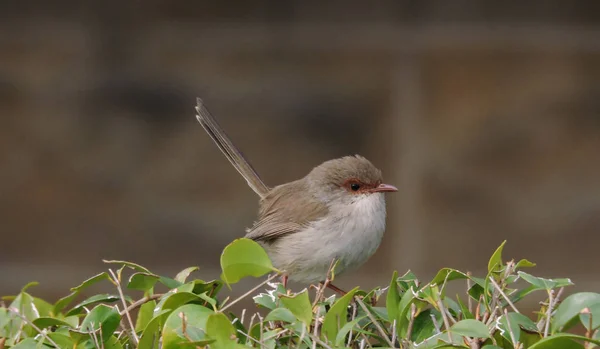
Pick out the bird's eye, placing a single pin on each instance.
(354, 186)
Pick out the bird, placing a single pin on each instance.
(334, 214)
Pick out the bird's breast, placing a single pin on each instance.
(349, 234)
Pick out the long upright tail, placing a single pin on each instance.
(232, 154)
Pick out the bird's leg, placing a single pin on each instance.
(284, 280)
(335, 288)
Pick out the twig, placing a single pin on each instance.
(25, 320)
(512, 335)
(469, 301)
(316, 328)
(243, 315)
(94, 337)
(354, 310)
(321, 289)
(374, 321)
(302, 334)
(140, 302)
(276, 334)
(504, 295)
(437, 327)
(122, 296)
(252, 339)
(411, 322)
(445, 318)
(549, 311)
(317, 340)
(478, 308)
(393, 332)
(249, 292)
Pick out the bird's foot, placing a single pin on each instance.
(335, 288)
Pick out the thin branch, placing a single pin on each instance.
(411, 322)
(504, 295)
(436, 325)
(317, 340)
(117, 282)
(249, 292)
(549, 311)
(316, 328)
(302, 335)
(512, 335)
(374, 321)
(140, 302)
(252, 339)
(445, 318)
(354, 311)
(469, 301)
(25, 320)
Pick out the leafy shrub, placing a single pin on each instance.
(190, 314)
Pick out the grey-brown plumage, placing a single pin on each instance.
(336, 212)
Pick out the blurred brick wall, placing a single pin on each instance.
(486, 115)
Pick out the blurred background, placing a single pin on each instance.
(485, 114)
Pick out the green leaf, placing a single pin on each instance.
(183, 275)
(591, 313)
(337, 316)
(471, 328)
(448, 274)
(131, 265)
(545, 284)
(572, 307)
(517, 322)
(28, 285)
(170, 283)
(106, 298)
(403, 307)
(299, 305)
(192, 319)
(496, 259)
(423, 326)
(464, 310)
(27, 343)
(219, 328)
(144, 315)
(150, 335)
(281, 314)
(63, 340)
(393, 298)
(269, 299)
(265, 300)
(44, 322)
(524, 263)
(176, 300)
(25, 305)
(211, 288)
(142, 281)
(113, 343)
(102, 317)
(563, 341)
(242, 258)
(91, 281)
(63, 302)
(343, 332)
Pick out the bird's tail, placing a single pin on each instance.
(231, 152)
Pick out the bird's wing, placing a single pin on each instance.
(287, 209)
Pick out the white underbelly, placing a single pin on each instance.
(350, 236)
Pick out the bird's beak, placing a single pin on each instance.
(382, 188)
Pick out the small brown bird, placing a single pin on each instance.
(336, 212)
